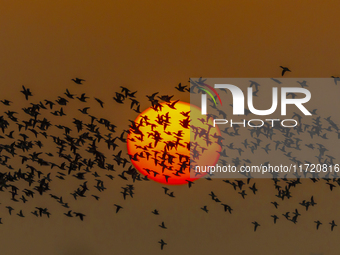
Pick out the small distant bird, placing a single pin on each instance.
(285, 69)
(331, 186)
(162, 225)
(243, 193)
(96, 197)
(100, 102)
(296, 213)
(83, 97)
(333, 224)
(255, 225)
(303, 83)
(137, 110)
(275, 204)
(84, 110)
(275, 218)
(118, 207)
(35, 213)
(277, 81)
(80, 215)
(318, 223)
(69, 214)
(162, 243)
(165, 98)
(165, 189)
(26, 92)
(189, 183)
(68, 94)
(20, 214)
(253, 188)
(312, 203)
(78, 80)
(286, 215)
(155, 212)
(204, 208)
(5, 102)
(10, 209)
(180, 87)
(227, 208)
(336, 79)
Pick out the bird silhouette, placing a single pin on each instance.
(155, 212)
(83, 98)
(180, 87)
(332, 223)
(26, 92)
(162, 243)
(284, 70)
(256, 225)
(318, 223)
(118, 207)
(275, 218)
(80, 215)
(162, 225)
(6, 102)
(78, 80)
(204, 208)
(100, 102)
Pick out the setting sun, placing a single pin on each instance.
(159, 143)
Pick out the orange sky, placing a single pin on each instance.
(151, 46)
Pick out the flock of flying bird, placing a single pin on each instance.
(26, 138)
(279, 138)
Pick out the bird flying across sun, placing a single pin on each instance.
(161, 145)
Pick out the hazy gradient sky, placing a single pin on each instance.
(151, 46)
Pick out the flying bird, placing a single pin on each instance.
(162, 225)
(336, 79)
(100, 102)
(78, 80)
(318, 223)
(332, 225)
(180, 87)
(155, 212)
(284, 69)
(162, 243)
(5, 102)
(118, 207)
(275, 218)
(256, 225)
(80, 215)
(26, 92)
(204, 208)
